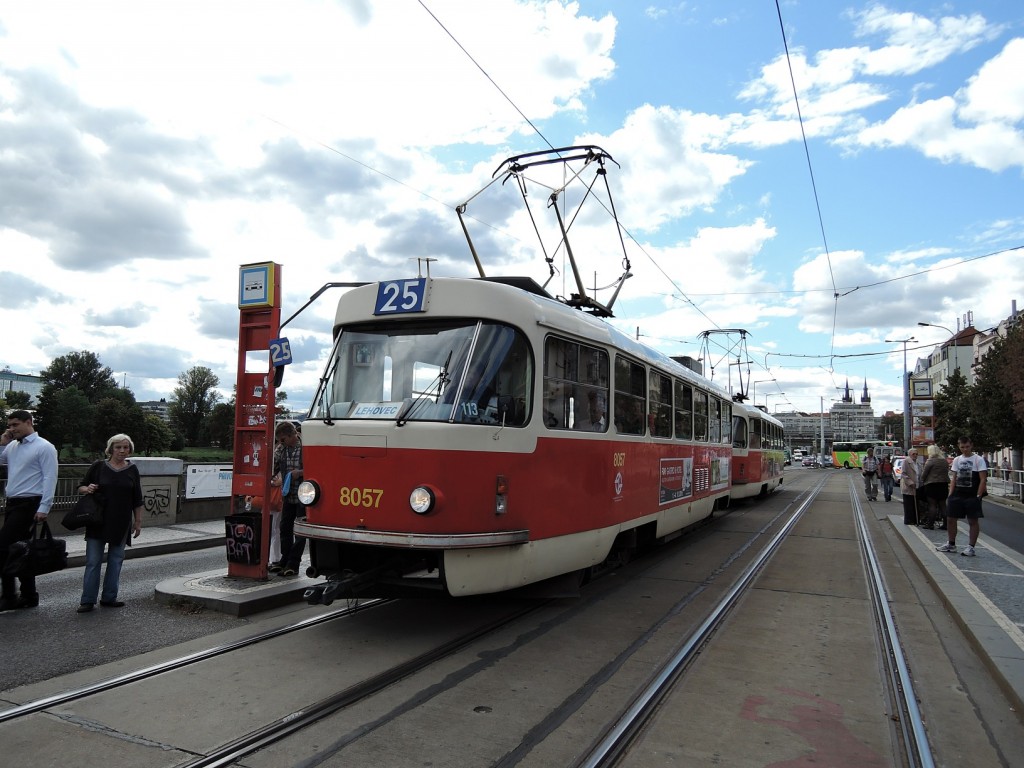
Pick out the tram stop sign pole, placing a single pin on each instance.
(261, 357)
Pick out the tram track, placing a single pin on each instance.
(912, 747)
(624, 729)
(914, 739)
(180, 662)
(523, 658)
(295, 722)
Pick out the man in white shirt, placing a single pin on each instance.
(966, 487)
(31, 481)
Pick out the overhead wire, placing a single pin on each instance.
(810, 170)
(679, 293)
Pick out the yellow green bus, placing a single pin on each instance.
(850, 454)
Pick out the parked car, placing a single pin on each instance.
(808, 461)
(826, 460)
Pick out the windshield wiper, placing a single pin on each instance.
(433, 392)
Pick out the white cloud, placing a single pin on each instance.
(915, 42)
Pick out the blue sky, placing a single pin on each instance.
(147, 150)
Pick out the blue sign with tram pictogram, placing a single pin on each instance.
(395, 297)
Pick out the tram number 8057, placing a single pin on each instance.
(360, 497)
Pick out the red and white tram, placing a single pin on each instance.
(476, 435)
(758, 452)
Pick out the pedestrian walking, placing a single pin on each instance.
(117, 481)
(886, 474)
(869, 469)
(31, 463)
(966, 489)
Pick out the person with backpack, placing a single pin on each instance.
(887, 475)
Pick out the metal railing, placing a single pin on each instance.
(1008, 483)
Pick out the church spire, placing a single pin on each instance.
(865, 399)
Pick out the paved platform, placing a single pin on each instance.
(236, 596)
(982, 594)
(214, 590)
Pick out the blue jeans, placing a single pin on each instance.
(93, 560)
(887, 483)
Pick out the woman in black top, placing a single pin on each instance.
(117, 480)
(934, 486)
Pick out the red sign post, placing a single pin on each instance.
(248, 531)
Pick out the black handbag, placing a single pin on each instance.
(37, 555)
(88, 511)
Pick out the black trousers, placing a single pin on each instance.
(21, 511)
(292, 546)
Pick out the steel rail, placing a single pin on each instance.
(915, 737)
(283, 727)
(623, 731)
(172, 664)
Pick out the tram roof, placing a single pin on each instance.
(478, 297)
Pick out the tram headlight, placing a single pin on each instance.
(422, 500)
(308, 493)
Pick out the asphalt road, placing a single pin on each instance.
(53, 639)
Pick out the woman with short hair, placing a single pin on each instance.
(118, 481)
(908, 487)
(934, 487)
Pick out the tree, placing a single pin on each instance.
(69, 418)
(157, 435)
(118, 414)
(79, 369)
(89, 378)
(997, 387)
(18, 400)
(1011, 363)
(194, 398)
(955, 415)
(221, 425)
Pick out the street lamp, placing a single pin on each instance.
(933, 325)
(753, 389)
(771, 394)
(956, 356)
(906, 391)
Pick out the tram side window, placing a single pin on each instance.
(575, 386)
(759, 441)
(726, 423)
(700, 416)
(661, 405)
(630, 396)
(739, 431)
(684, 411)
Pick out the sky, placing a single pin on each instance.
(150, 149)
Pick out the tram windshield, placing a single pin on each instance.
(461, 371)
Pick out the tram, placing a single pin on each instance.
(479, 435)
(475, 435)
(758, 454)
